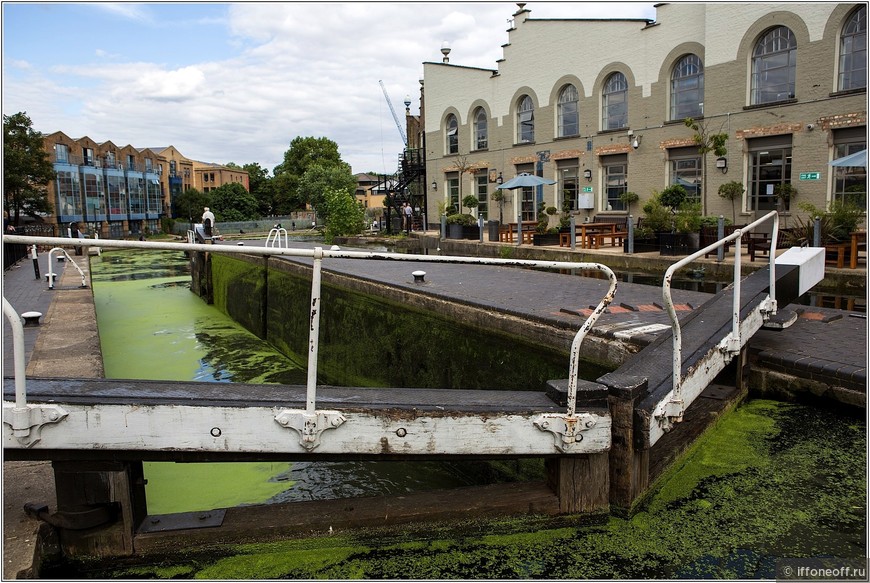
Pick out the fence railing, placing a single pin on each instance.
(677, 406)
(310, 422)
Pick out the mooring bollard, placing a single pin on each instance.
(419, 276)
(31, 319)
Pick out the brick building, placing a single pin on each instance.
(115, 191)
(598, 106)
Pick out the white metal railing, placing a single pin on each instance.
(310, 423)
(676, 406)
(51, 275)
(277, 237)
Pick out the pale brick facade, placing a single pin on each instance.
(774, 137)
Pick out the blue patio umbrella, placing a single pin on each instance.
(524, 180)
(858, 159)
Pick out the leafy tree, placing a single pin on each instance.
(732, 191)
(707, 142)
(231, 202)
(303, 154)
(189, 204)
(319, 179)
(345, 216)
(260, 187)
(27, 169)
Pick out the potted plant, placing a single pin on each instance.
(657, 219)
(732, 191)
(628, 198)
(784, 193)
(675, 241)
(462, 226)
(544, 234)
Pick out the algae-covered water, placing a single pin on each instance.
(152, 327)
(770, 481)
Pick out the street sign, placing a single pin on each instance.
(810, 175)
(587, 189)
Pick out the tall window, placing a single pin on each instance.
(110, 159)
(131, 162)
(853, 51)
(569, 115)
(774, 63)
(569, 186)
(452, 135)
(769, 166)
(687, 88)
(69, 200)
(614, 104)
(61, 153)
(525, 120)
(95, 196)
(615, 182)
(481, 184)
(686, 171)
(453, 193)
(116, 190)
(850, 182)
(481, 132)
(87, 156)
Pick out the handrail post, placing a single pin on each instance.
(17, 354)
(772, 262)
(313, 332)
(734, 342)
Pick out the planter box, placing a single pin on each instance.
(540, 239)
(455, 231)
(641, 245)
(678, 243)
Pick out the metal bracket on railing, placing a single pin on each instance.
(310, 426)
(566, 429)
(27, 422)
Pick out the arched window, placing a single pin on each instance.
(452, 135)
(853, 51)
(480, 129)
(773, 67)
(614, 105)
(525, 120)
(687, 88)
(569, 115)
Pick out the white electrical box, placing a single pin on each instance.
(585, 200)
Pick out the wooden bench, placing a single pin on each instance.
(596, 240)
(759, 243)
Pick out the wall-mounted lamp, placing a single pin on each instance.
(499, 180)
(722, 164)
(434, 185)
(587, 174)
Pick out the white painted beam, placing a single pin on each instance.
(256, 430)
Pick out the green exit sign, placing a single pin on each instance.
(810, 175)
(587, 189)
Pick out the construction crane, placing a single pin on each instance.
(395, 117)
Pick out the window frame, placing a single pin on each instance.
(564, 106)
(852, 60)
(756, 200)
(481, 187)
(612, 192)
(525, 120)
(682, 74)
(481, 129)
(765, 53)
(843, 177)
(675, 159)
(615, 85)
(451, 135)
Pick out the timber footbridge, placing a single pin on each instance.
(604, 441)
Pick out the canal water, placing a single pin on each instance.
(152, 327)
(770, 482)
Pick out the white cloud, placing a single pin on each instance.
(300, 69)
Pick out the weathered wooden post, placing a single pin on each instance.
(581, 482)
(99, 506)
(629, 463)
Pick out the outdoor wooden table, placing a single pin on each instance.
(528, 231)
(858, 237)
(587, 230)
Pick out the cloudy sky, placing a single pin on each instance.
(237, 82)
